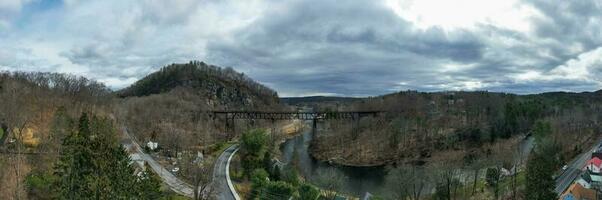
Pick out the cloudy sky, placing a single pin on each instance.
(317, 47)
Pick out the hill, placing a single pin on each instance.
(222, 85)
(422, 127)
(316, 99)
(172, 102)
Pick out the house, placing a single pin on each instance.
(135, 158)
(585, 180)
(593, 165)
(152, 145)
(578, 192)
(589, 180)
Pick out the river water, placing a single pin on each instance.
(355, 180)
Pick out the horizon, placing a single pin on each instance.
(327, 95)
(325, 48)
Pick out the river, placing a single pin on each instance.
(355, 180)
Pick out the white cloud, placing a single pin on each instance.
(314, 47)
(587, 66)
(464, 13)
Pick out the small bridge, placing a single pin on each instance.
(230, 116)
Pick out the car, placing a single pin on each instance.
(565, 167)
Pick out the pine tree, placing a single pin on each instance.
(122, 175)
(540, 182)
(75, 165)
(94, 166)
(149, 185)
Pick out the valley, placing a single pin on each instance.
(410, 144)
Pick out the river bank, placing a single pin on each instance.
(355, 181)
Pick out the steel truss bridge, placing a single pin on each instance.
(231, 116)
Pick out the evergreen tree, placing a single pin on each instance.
(541, 165)
(540, 182)
(149, 185)
(74, 165)
(253, 147)
(94, 166)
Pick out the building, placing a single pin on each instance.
(578, 192)
(593, 165)
(590, 180)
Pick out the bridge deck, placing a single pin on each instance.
(294, 115)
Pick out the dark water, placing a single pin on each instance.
(355, 180)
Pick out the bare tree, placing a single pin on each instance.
(330, 180)
(407, 182)
(199, 172)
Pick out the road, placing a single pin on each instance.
(220, 168)
(168, 178)
(574, 170)
(220, 180)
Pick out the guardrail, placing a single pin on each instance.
(230, 185)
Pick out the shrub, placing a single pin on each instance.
(308, 192)
(277, 190)
(40, 185)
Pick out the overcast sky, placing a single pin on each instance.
(317, 47)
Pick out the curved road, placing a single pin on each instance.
(220, 182)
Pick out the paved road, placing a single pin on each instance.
(172, 181)
(574, 170)
(220, 182)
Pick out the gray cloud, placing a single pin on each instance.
(350, 48)
(356, 48)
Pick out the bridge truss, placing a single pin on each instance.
(231, 116)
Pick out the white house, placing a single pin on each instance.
(593, 165)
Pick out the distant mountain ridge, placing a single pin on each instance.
(316, 99)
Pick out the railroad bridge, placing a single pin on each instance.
(231, 116)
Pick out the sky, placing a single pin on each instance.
(317, 47)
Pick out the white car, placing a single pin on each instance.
(565, 167)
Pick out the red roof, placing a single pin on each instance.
(595, 161)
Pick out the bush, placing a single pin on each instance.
(40, 185)
(290, 175)
(253, 147)
(277, 190)
(259, 178)
(308, 192)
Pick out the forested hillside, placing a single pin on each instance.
(39, 112)
(423, 127)
(169, 106)
(36, 115)
(223, 86)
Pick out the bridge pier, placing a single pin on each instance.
(314, 126)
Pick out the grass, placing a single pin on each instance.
(1, 133)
